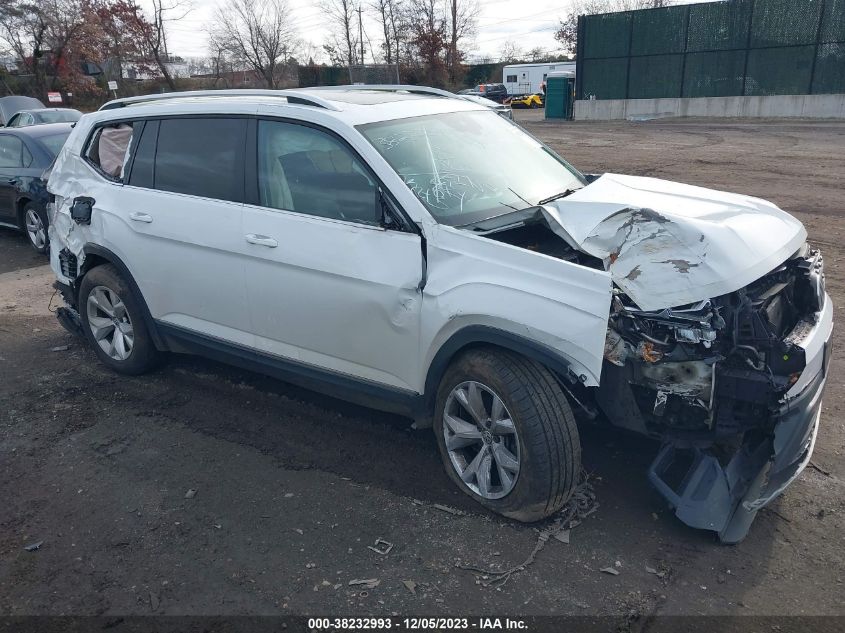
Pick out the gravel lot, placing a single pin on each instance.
(292, 487)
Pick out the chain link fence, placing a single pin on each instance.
(717, 49)
(341, 75)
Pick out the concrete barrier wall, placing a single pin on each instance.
(808, 106)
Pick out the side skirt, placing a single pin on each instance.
(341, 386)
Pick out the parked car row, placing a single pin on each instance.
(39, 116)
(499, 94)
(494, 92)
(25, 153)
(9, 106)
(30, 138)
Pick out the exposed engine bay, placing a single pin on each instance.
(711, 380)
(715, 368)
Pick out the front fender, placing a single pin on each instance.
(555, 305)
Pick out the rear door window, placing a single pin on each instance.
(11, 151)
(108, 150)
(54, 143)
(201, 157)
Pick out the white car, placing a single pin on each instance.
(419, 253)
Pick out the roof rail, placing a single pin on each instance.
(390, 88)
(292, 96)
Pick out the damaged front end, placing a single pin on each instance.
(730, 377)
(731, 385)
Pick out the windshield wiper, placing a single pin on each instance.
(557, 196)
(521, 198)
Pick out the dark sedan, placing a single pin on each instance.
(25, 118)
(24, 155)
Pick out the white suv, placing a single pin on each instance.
(417, 252)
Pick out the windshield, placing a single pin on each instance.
(57, 116)
(53, 143)
(471, 166)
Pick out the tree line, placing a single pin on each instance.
(78, 45)
(426, 38)
(62, 44)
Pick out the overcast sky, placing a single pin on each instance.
(531, 24)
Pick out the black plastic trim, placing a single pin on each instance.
(474, 335)
(251, 191)
(325, 381)
(137, 133)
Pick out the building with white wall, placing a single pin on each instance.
(521, 79)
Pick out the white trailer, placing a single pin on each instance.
(522, 79)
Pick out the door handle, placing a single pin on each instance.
(13, 181)
(140, 217)
(261, 240)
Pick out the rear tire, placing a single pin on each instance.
(113, 322)
(544, 438)
(35, 224)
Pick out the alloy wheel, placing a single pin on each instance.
(110, 323)
(35, 229)
(481, 440)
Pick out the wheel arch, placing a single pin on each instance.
(475, 336)
(96, 255)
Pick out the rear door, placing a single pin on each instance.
(176, 222)
(328, 285)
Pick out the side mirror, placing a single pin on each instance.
(81, 208)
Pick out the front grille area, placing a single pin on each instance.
(68, 262)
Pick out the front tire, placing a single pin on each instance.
(113, 322)
(35, 224)
(507, 435)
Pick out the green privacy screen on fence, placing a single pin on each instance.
(715, 49)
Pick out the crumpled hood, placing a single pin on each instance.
(667, 244)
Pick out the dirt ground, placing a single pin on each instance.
(292, 487)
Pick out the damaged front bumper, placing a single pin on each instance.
(725, 495)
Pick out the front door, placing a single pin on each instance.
(328, 286)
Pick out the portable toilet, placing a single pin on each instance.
(560, 94)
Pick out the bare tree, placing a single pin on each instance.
(49, 37)
(124, 32)
(463, 18)
(220, 63)
(388, 13)
(511, 52)
(310, 53)
(54, 39)
(342, 15)
(538, 54)
(258, 33)
(155, 35)
(335, 50)
(426, 23)
(24, 31)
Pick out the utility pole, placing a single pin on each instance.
(453, 44)
(361, 36)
